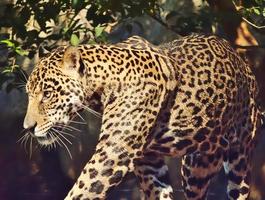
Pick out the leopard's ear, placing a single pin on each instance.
(72, 61)
(71, 58)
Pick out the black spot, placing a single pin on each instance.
(244, 190)
(190, 194)
(123, 155)
(93, 173)
(234, 194)
(234, 178)
(197, 121)
(59, 88)
(104, 137)
(213, 139)
(107, 172)
(241, 165)
(81, 184)
(223, 142)
(193, 181)
(81, 69)
(233, 155)
(160, 149)
(183, 143)
(196, 110)
(191, 149)
(205, 146)
(96, 187)
(116, 178)
(165, 179)
(210, 91)
(166, 140)
(137, 145)
(217, 130)
(109, 163)
(210, 123)
(78, 197)
(125, 162)
(201, 134)
(56, 83)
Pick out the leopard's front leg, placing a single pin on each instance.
(127, 121)
(104, 170)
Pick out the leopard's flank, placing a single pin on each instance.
(194, 97)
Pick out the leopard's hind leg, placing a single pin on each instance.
(237, 168)
(238, 160)
(197, 171)
(153, 176)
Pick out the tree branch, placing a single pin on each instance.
(252, 24)
(249, 47)
(160, 21)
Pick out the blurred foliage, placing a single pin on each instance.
(254, 11)
(28, 25)
(256, 7)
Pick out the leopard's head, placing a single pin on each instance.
(55, 93)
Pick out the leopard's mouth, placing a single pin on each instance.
(52, 135)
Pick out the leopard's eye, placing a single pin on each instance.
(46, 95)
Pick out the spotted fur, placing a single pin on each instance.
(194, 97)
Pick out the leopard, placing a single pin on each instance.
(194, 98)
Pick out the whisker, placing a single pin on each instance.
(49, 146)
(68, 126)
(65, 133)
(65, 146)
(54, 137)
(97, 114)
(62, 135)
(24, 75)
(63, 127)
(21, 138)
(25, 143)
(30, 148)
(58, 143)
(55, 144)
(77, 122)
(80, 116)
(41, 146)
(20, 85)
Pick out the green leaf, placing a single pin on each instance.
(99, 30)
(75, 3)
(259, 2)
(74, 40)
(10, 69)
(6, 71)
(8, 43)
(256, 11)
(21, 52)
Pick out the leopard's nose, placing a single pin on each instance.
(29, 122)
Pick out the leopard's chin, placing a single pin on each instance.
(46, 140)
